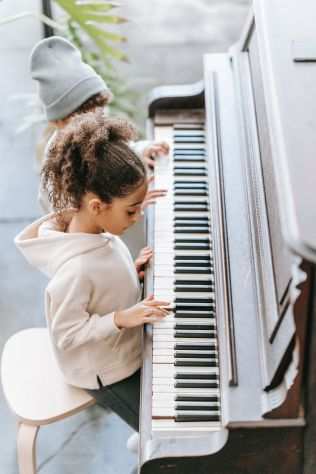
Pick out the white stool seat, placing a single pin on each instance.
(35, 390)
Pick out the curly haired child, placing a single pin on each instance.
(93, 310)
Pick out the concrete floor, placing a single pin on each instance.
(167, 39)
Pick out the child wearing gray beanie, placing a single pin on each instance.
(68, 86)
(64, 81)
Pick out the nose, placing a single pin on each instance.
(137, 215)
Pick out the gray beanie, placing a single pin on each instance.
(64, 81)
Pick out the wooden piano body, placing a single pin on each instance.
(256, 106)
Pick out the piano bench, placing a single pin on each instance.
(35, 390)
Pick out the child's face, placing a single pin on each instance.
(122, 213)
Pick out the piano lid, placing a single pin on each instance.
(287, 39)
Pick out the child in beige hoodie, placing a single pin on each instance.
(93, 301)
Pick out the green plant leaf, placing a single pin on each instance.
(104, 35)
(96, 6)
(100, 18)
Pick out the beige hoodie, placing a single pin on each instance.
(91, 276)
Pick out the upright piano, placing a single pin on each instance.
(227, 378)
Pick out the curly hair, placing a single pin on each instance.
(101, 99)
(91, 154)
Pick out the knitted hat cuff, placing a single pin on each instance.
(76, 96)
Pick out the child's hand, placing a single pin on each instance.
(147, 311)
(153, 150)
(143, 258)
(152, 195)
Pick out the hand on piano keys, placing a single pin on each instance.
(152, 194)
(147, 311)
(153, 150)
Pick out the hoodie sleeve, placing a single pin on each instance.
(70, 322)
(139, 147)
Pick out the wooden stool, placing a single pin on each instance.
(36, 391)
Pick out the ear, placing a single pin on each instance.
(96, 206)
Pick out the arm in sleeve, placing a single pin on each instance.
(139, 147)
(70, 322)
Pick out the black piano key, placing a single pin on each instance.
(197, 398)
(203, 225)
(190, 218)
(194, 266)
(196, 385)
(195, 204)
(192, 247)
(179, 240)
(194, 347)
(189, 159)
(209, 314)
(206, 408)
(188, 188)
(195, 327)
(197, 363)
(192, 271)
(190, 209)
(194, 282)
(192, 262)
(195, 184)
(198, 264)
(195, 376)
(190, 170)
(189, 140)
(189, 151)
(193, 257)
(195, 223)
(196, 307)
(196, 418)
(197, 301)
(195, 335)
(193, 289)
(194, 355)
(196, 193)
(189, 173)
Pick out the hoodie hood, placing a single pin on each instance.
(47, 246)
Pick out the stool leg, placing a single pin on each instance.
(26, 446)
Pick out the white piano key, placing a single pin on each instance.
(164, 411)
(169, 282)
(191, 133)
(170, 323)
(190, 146)
(170, 352)
(170, 359)
(169, 370)
(171, 295)
(169, 344)
(171, 390)
(172, 381)
(172, 404)
(171, 254)
(169, 237)
(165, 330)
(182, 340)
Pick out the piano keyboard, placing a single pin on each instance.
(186, 382)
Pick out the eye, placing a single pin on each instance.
(131, 213)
